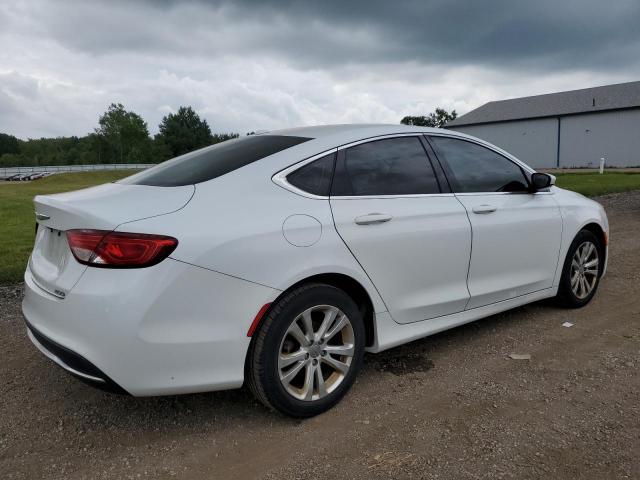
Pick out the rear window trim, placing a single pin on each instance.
(411, 195)
(429, 161)
(280, 178)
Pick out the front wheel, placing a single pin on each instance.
(307, 352)
(582, 270)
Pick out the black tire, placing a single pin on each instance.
(263, 374)
(566, 295)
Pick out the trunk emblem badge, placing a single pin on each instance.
(42, 216)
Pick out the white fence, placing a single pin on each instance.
(8, 171)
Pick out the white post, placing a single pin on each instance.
(601, 166)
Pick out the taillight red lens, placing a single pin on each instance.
(83, 243)
(101, 248)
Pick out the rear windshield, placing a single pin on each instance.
(214, 161)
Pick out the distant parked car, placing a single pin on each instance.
(278, 259)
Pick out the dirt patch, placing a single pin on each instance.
(9, 292)
(571, 411)
(400, 363)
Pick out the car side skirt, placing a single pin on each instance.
(390, 334)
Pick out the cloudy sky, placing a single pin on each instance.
(254, 65)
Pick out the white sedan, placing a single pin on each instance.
(278, 259)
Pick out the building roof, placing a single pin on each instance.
(586, 100)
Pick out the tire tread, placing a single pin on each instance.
(565, 296)
(255, 364)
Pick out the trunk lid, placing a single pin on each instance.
(52, 265)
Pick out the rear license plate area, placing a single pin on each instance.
(53, 245)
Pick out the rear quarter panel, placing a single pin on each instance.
(234, 225)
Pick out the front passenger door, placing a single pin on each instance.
(516, 234)
(412, 239)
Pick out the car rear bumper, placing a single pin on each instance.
(167, 329)
(73, 363)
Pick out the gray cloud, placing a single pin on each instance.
(249, 65)
(568, 34)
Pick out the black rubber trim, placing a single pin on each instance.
(77, 362)
(443, 181)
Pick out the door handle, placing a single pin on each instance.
(482, 209)
(372, 218)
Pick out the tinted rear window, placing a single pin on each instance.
(394, 166)
(314, 177)
(214, 161)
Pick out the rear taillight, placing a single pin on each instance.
(102, 248)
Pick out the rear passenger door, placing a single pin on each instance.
(409, 233)
(516, 233)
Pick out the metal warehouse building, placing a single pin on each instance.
(565, 129)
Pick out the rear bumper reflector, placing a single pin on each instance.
(256, 321)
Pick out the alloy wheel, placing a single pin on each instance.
(316, 352)
(584, 269)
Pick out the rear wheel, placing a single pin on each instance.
(307, 352)
(582, 270)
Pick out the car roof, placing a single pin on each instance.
(325, 137)
(355, 130)
(330, 136)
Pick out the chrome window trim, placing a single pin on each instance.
(475, 194)
(280, 178)
(500, 152)
(381, 137)
(488, 146)
(385, 137)
(371, 197)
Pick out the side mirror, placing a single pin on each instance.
(540, 181)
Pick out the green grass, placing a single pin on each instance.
(593, 184)
(17, 216)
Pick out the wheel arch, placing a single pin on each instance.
(351, 287)
(597, 230)
(601, 235)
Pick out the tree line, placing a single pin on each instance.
(122, 136)
(438, 118)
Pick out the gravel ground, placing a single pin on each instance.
(450, 406)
